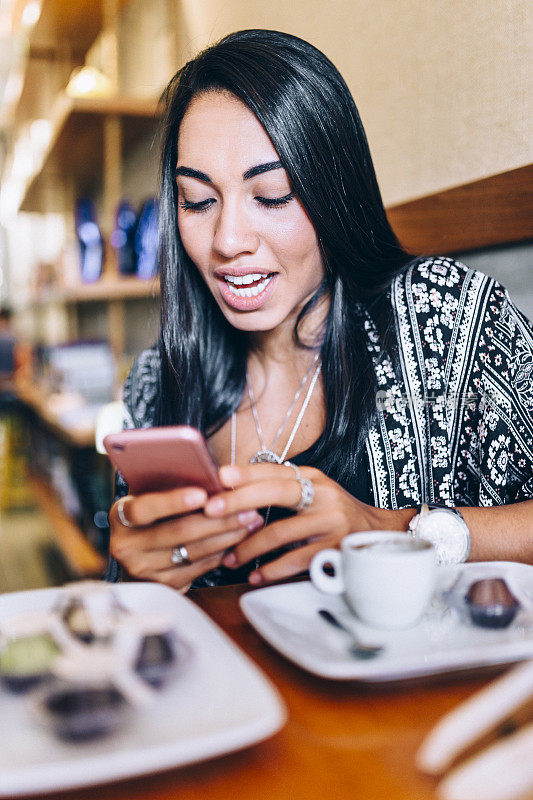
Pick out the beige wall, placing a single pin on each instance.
(441, 85)
(147, 52)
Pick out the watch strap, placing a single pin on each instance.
(439, 506)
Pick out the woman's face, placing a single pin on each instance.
(239, 221)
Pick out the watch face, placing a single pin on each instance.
(448, 533)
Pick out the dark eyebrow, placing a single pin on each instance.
(193, 173)
(260, 168)
(188, 172)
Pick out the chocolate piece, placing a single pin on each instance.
(156, 658)
(491, 604)
(83, 713)
(77, 621)
(90, 611)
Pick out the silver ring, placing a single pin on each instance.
(121, 515)
(308, 494)
(308, 490)
(180, 556)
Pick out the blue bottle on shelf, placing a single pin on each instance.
(147, 240)
(90, 241)
(123, 238)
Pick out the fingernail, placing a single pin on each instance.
(195, 497)
(229, 560)
(248, 517)
(255, 578)
(230, 474)
(215, 506)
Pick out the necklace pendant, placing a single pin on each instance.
(265, 457)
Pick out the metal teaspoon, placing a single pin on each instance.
(357, 648)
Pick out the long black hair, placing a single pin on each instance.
(307, 110)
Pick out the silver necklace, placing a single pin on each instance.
(267, 454)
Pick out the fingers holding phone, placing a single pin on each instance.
(148, 552)
(147, 508)
(170, 472)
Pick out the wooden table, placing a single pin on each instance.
(342, 741)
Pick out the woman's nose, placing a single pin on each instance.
(234, 233)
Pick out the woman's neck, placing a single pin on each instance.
(276, 367)
(276, 350)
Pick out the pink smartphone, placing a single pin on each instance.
(156, 459)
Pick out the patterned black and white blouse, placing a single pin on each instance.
(456, 426)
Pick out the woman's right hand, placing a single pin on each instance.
(162, 521)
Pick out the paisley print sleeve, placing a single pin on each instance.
(140, 390)
(497, 429)
(455, 424)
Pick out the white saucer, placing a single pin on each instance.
(443, 641)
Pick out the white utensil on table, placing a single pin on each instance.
(504, 770)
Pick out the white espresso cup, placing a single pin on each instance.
(387, 577)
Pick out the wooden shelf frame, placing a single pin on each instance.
(104, 290)
(75, 22)
(80, 555)
(65, 31)
(76, 154)
(35, 398)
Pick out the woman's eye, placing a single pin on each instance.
(199, 207)
(203, 205)
(275, 202)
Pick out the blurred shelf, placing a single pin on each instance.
(75, 154)
(73, 23)
(80, 555)
(39, 401)
(65, 31)
(103, 290)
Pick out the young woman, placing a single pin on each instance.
(294, 327)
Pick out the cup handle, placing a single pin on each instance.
(331, 584)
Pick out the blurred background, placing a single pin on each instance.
(444, 94)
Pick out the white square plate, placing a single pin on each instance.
(443, 641)
(220, 702)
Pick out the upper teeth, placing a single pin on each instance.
(244, 279)
(249, 291)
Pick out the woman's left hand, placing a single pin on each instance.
(332, 514)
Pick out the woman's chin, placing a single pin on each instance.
(253, 322)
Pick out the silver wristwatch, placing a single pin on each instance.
(445, 528)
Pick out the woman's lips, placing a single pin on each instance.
(246, 303)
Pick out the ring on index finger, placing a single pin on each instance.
(308, 494)
(121, 515)
(306, 486)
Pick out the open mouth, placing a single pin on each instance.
(248, 285)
